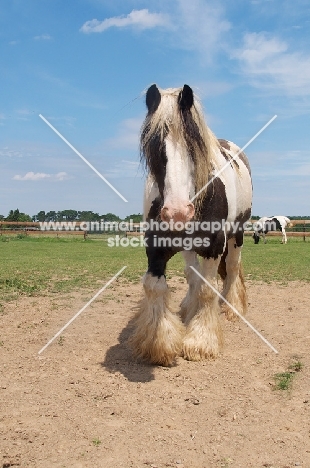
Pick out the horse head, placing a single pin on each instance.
(173, 145)
(256, 237)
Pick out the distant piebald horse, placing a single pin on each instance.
(274, 223)
(198, 196)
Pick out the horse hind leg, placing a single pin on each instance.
(222, 266)
(189, 304)
(158, 333)
(234, 290)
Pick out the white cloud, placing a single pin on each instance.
(276, 164)
(123, 169)
(41, 176)
(66, 119)
(32, 176)
(6, 152)
(61, 176)
(127, 135)
(269, 64)
(23, 114)
(141, 19)
(302, 170)
(200, 25)
(212, 88)
(192, 25)
(24, 111)
(43, 37)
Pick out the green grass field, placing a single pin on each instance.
(34, 266)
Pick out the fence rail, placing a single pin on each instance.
(279, 233)
(45, 233)
(301, 228)
(33, 229)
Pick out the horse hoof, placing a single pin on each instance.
(153, 355)
(230, 315)
(200, 350)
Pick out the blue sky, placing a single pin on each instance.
(84, 66)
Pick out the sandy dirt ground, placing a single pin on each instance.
(85, 402)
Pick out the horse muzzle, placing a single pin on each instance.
(180, 214)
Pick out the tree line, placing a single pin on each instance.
(68, 215)
(74, 215)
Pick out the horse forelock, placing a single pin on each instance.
(186, 128)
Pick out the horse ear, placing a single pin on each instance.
(186, 98)
(153, 98)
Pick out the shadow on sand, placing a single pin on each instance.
(120, 359)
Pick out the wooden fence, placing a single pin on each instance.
(301, 228)
(33, 229)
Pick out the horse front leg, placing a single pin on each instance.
(158, 332)
(189, 303)
(203, 337)
(234, 288)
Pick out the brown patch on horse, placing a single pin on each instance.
(245, 161)
(242, 218)
(224, 143)
(224, 148)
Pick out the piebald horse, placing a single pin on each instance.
(198, 182)
(274, 223)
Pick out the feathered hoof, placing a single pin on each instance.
(203, 345)
(160, 345)
(193, 352)
(229, 313)
(153, 354)
(240, 306)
